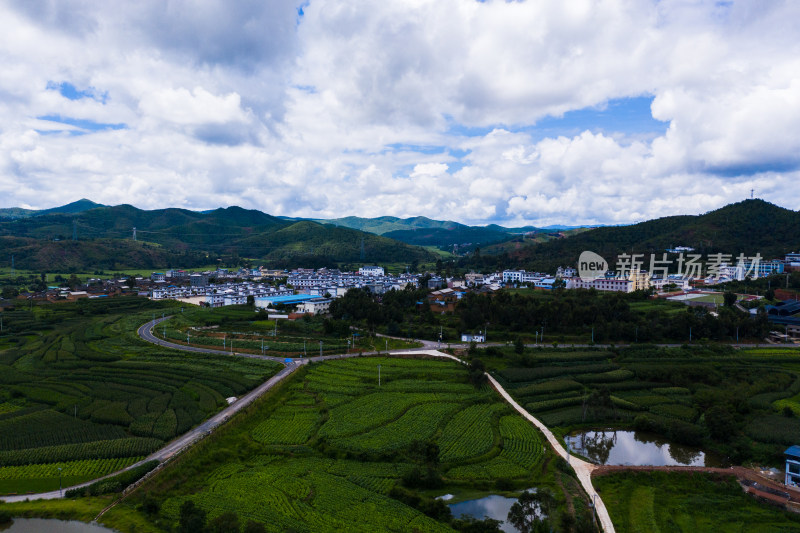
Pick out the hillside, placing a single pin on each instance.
(749, 227)
(447, 237)
(178, 237)
(383, 225)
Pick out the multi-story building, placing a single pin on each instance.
(613, 284)
(371, 270)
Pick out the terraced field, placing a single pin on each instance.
(743, 404)
(77, 385)
(331, 448)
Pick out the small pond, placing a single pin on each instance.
(38, 525)
(613, 447)
(493, 506)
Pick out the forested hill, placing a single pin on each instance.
(178, 237)
(749, 227)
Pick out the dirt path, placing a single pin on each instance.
(739, 472)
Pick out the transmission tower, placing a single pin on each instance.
(134, 234)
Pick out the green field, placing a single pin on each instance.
(742, 404)
(656, 502)
(250, 331)
(333, 451)
(710, 298)
(79, 389)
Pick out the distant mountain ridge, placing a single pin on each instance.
(178, 237)
(749, 227)
(74, 207)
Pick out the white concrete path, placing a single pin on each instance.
(582, 469)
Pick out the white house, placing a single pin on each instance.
(318, 306)
(371, 270)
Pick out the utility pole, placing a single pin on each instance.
(187, 338)
(379, 376)
(690, 333)
(304, 348)
(59, 483)
(320, 348)
(592, 343)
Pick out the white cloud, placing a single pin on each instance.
(361, 107)
(192, 108)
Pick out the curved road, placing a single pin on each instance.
(583, 469)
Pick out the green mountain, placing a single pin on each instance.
(446, 237)
(383, 225)
(749, 227)
(178, 237)
(74, 207)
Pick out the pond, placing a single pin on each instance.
(493, 506)
(612, 447)
(37, 525)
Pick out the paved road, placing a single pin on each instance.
(197, 433)
(582, 468)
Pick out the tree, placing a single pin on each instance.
(192, 518)
(74, 282)
(10, 292)
(519, 345)
(729, 298)
(720, 423)
(254, 527)
(224, 523)
(530, 513)
(477, 372)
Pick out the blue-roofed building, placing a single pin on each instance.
(263, 302)
(792, 466)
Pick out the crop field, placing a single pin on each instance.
(743, 404)
(687, 503)
(301, 463)
(240, 329)
(77, 385)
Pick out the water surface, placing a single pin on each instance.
(613, 447)
(493, 506)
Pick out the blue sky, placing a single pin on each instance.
(517, 113)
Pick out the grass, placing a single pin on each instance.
(249, 331)
(687, 502)
(710, 298)
(84, 509)
(325, 450)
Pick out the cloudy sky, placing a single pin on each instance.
(538, 112)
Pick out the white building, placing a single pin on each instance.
(602, 284)
(371, 270)
(318, 306)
